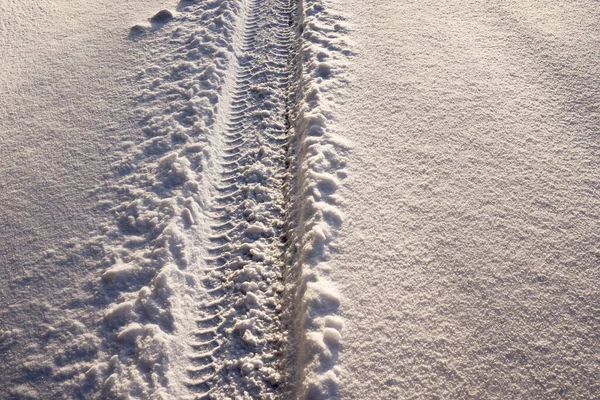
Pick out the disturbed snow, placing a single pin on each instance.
(223, 205)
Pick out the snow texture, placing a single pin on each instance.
(468, 258)
(307, 199)
(320, 156)
(222, 207)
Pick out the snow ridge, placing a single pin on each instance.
(315, 329)
(163, 187)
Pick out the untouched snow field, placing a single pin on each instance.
(66, 91)
(469, 259)
(313, 199)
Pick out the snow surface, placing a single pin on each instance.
(316, 199)
(66, 92)
(468, 259)
(202, 198)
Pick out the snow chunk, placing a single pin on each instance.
(243, 325)
(321, 297)
(119, 273)
(117, 313)
(258, 229)
(323, 386)
(248, 365)
(332, 321)
(332, 336)
(130, 332)
(249, 338)
(161, 17)
(249, 287)
(251, 300)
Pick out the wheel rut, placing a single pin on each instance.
(237, 349)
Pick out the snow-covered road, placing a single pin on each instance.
(315, 199)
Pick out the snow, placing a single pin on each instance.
(313, 199)
(467, 261)
(65, 100)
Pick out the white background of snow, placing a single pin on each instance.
(468, 259)
(64, 92)
(66, 87)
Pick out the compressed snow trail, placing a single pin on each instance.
(214, 201)
(266, 326)
(469, 260)
(238, 347)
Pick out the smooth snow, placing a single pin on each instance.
(66, 90)
(468, 260)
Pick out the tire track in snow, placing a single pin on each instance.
(272, 84)
(237, 348)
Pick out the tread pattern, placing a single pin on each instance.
(237, 348)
